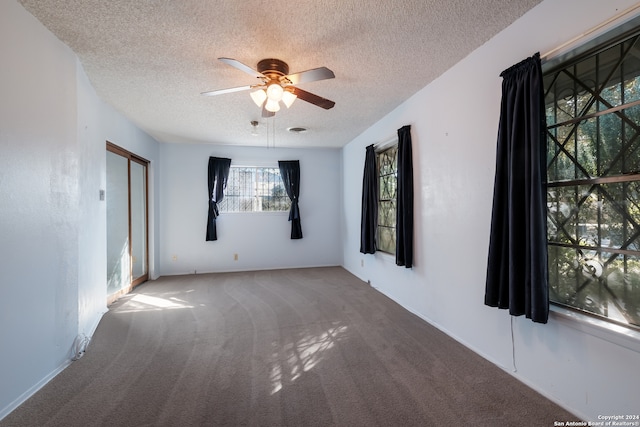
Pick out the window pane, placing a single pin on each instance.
(568, 97)
(138, 224)
(561, 215)
(388, 186)
(118, 259)
(594, 215)
(387, 161)
(387, 213)
(630, 156)
(600, 283)
(632, 84)
(560, 155)
(387, 239)
(254, 189)
(621, 215)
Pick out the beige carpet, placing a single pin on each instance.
(302, 347)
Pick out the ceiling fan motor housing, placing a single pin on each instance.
(273, 66)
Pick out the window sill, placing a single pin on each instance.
(602, 329)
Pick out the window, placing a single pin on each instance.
(387, 161)
(254, 189)
(593, 171)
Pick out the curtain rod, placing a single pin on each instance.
(591, 31)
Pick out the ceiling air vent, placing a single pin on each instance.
(297, 129)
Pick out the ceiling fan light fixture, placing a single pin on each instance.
(272, 106)
(259, 96)
(275, 92)
(278, 85)
(288, 98)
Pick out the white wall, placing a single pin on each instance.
(53, 130)
(261, 240)
(39, 198)
(454, 128)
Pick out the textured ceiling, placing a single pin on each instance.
(151, 59)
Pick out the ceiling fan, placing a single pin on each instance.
(276, 84)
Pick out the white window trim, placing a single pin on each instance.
(620, 22)
(387, 143)
(603, 329)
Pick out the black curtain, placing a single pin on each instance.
(517, 275)
(404, 216)
(369, 213)
(290, 173)
(218, 174)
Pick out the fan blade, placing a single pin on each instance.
(229, 90)
(311, 98)
(242, 67)
(313, 75)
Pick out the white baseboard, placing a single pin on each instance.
(33, 390)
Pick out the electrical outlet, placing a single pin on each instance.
(174, 258)
(235, 257)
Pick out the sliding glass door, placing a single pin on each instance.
(127, 230)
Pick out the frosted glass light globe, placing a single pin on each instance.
(274, 92)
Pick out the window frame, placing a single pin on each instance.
(381, 148)
(626, 334)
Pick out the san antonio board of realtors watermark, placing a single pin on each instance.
(603, 421)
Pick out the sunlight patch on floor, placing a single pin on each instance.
(303, 356)
(141, 302)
